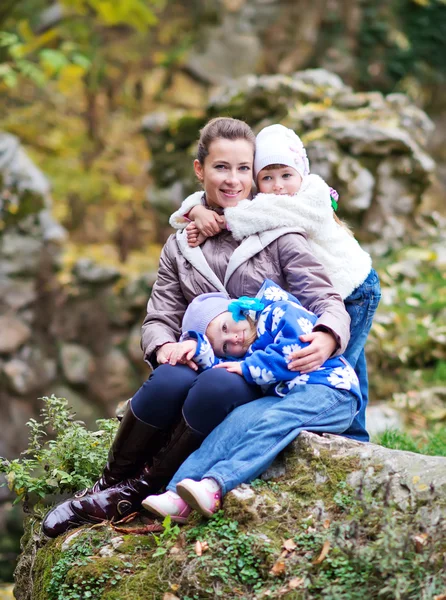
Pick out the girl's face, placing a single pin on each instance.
(227, 172)
(281, 180)
(229, 338)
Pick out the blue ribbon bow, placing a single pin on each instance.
(241, 307)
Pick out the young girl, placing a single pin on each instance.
(291, 197)
(216, 328)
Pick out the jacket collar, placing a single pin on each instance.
(197, 259)
(250, 246)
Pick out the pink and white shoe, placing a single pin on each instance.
(168, 503)
(204, 496)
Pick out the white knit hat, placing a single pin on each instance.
(203, 309)
(278, 145)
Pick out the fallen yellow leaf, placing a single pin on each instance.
(289, 545)
(295, 582)
(278, 568)
(323, 554)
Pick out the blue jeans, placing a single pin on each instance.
(361, 305)
(249, 439)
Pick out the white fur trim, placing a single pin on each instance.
(177, 219)
(309, 211)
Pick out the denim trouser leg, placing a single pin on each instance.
(357, 430)
(246, 443)
(361, 305)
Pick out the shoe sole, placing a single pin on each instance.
(188, 496)
(156, 511)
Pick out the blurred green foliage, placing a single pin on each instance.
(402, 41)
(39, 47)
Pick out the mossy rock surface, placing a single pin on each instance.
(343, 520)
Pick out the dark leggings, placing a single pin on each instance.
(204, 398)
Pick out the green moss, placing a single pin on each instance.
(46, 558)
(304, 468)
(136, 543)
(140, 585)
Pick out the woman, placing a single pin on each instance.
(177, 408)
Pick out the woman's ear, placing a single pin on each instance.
(198, 168)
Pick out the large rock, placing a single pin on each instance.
(77, 363)
(14, 334)
(352, 502)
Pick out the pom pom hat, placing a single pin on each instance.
(278, 145)
(203, 309)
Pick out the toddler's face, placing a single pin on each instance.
(279, 180)
(227, 337)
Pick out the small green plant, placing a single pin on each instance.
(167, 538)
(67, 583)
(345, 498)
(236, 556)
(69, 461)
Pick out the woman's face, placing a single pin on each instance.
(227, 172)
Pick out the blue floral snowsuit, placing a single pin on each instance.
(279, 326)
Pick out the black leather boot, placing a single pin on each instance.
(134, 442)
(120, 500)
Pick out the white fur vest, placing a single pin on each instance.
(345, 262)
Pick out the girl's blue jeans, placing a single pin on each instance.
(361, 305)
(249, 439)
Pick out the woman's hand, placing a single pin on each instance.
(232, 367)
(178, 352)
(194, 237)
(322, 345)
(208, 222)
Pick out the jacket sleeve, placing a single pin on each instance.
(307, 280)
(166, 306)
(204, 355)
(177, 219)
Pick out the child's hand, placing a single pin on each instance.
(309, 359)
(163, 353)
(194, 237)
(232, 367)
(182, 353)
(208, 222)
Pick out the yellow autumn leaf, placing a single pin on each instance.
(69, 77)
(323, 554)
(278, 568)
(10, 478)
(289, 545)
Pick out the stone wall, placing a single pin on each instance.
(78, 340)
(370, 147)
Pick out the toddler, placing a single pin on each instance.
(253, 337)
(292, 197)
